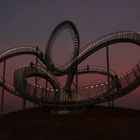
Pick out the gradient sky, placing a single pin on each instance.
(30, 22)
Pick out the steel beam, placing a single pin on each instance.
(108, 73)
(2, 95)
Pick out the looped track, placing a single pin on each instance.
(56, 69)
(36, 93)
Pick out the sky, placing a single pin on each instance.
(30, 22)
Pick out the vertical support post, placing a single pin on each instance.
(65, 96)
(76, 81)
(2, 95)
(36, 79)
(46, 87)
(108, 71)
(23, 102)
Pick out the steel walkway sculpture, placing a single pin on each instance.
(115, 87)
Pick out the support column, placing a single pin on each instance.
(2, 95)
(46, 88)
(108, 72)
(76, 83)
(36, 79)
(47, 91)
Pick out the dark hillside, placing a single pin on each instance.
(95, 123)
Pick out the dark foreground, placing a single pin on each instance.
(98, 123)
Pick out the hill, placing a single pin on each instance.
(98, 123)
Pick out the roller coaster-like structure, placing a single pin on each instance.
(70, 95)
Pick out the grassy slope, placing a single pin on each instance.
(95, 123)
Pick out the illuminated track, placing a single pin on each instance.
(67, 96)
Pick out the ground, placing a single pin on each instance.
(98, 123)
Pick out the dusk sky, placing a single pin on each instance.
(30, 22)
